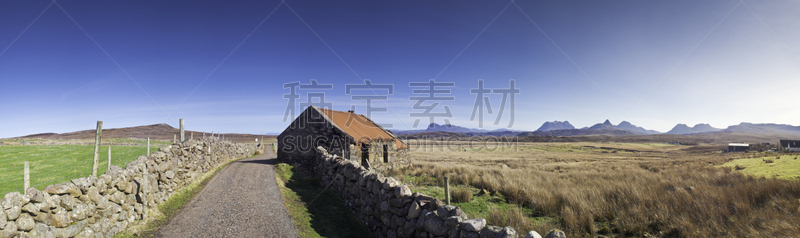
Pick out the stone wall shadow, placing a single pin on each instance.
(330, 216)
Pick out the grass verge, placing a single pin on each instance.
(165, 211)
(316, 212)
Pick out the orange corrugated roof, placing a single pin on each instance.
(359, 127)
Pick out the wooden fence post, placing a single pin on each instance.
(109, 158)
(174, 138)
(97, 148)
(148, 146)
(447, 189)
(27, 176)
(182, 135)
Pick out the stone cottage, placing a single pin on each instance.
(345, 134)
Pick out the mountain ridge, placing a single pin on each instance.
(159, 131)
(564, 128)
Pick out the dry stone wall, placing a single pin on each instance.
(390, 209)
(102, 206)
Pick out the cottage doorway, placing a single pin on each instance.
(365, 155)
(386, 153)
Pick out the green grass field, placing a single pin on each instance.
(51, 164)
(787, 167)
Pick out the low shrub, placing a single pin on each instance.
(462, 194)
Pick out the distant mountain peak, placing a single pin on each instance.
(555, 125)
(704, 127)
(625, 125)
(435, 127)
(683, 129)
(606, 125)
(451, 128)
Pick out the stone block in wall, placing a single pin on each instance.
(490, 231)
(402, 191)
(10, 230)
(555, 233)
(13, 212)
(394, 202)
(468, 234)
(452, 221)
(410, 227)
(35, 195)
(386, 218)
(398, 222)
(394, 210)
(389, 184)
(72, 230)
(507, 232)
(61, 219)
(13, 199)
(44, 217)
(79, 212)
(31, 209)
(436, 227)
(82, 183)
(473, 224)
(42, 230)
(25, 222)
(3, 218)
(450, 210)
(414, 210)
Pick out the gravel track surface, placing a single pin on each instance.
(242, 200)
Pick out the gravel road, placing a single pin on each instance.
(242, 200)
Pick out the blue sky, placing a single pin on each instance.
(222, 66)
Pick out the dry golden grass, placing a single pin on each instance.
(462, 194)
(620, 189)
(513, 217)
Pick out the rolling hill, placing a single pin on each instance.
(154, 132)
